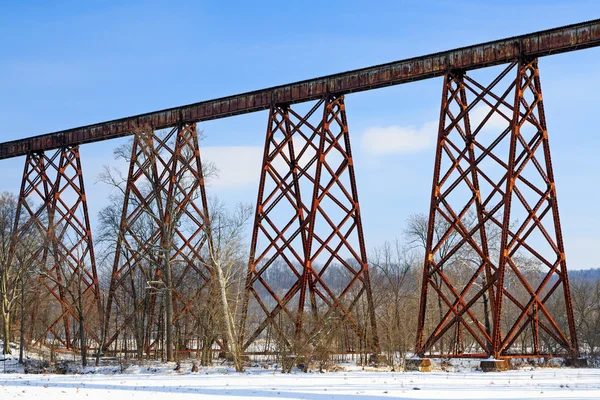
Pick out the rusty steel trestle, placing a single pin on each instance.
(308, 272)
(495, 278)
(164, 216)
(52, 211)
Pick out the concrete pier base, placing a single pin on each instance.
(418, 364)
(377, 360)
(494, 365)
(579, 362)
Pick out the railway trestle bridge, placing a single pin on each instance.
(308, 224)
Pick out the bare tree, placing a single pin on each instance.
(72, 286)
(8, 204)
(226, 257)
(160, 194)
(25, 255)
(586, 307)
(416, 234)
(394, 276)
(17, 252)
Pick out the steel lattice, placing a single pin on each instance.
(308, 269)
(165, 209)
(53, 206)
(494, 233)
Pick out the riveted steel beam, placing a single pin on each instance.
(538, 44)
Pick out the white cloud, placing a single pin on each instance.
(399, 139)
(238, 166)
(410, 139)
(495, 124)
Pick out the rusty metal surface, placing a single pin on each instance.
(538, 44)
(495, 279)
(53, 207)
(308, 273)
(164, 183)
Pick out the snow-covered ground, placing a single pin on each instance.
(256, 383)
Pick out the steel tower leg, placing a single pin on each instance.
(165, 206)
(53, 207)
(307, 232)
(494, 233)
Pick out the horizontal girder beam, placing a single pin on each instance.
(538, 44)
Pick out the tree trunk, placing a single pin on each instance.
(486, 313)
(441, 312)
(22, 328)
(168, 307)
(82, 338)
(83, 341)
(101, 344)
(5, 314)
(138, 326)
(229, 322)
(6, 331)
(206, 353)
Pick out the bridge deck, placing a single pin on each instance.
(538, 44)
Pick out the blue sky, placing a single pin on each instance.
(70, 63)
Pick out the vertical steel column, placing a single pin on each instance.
(307, 232)
(458, 266)
(282, 244)
(532, 258)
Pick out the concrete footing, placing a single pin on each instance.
(576, 362)
(418, 364)
(377, 359)
(494, 365)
